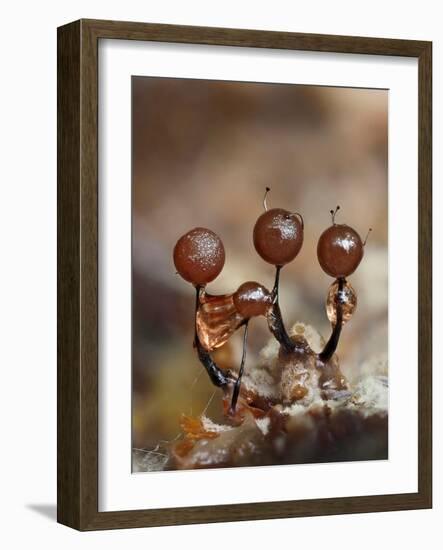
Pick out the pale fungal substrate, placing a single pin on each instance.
(291, 410)
(149, 460)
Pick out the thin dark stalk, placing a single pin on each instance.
(217, 376)
(332, 343)
(276, 283)
(236, 390)
(274, 317)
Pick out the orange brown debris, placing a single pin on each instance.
(193, 428)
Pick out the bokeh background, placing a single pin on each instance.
(203, 153)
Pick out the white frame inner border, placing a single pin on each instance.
(119, 489)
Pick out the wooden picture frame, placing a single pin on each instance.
(78, 274)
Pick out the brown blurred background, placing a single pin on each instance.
(203, 153)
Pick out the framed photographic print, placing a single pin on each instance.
(244, 274)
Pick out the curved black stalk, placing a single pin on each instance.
(217, 376)
(274, 317)
(236, 390)
(332, 343)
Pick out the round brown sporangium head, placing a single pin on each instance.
(199, 256)
(278, 236)
(339, 250)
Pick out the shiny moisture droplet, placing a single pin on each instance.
(217, 319)
(346, 297)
